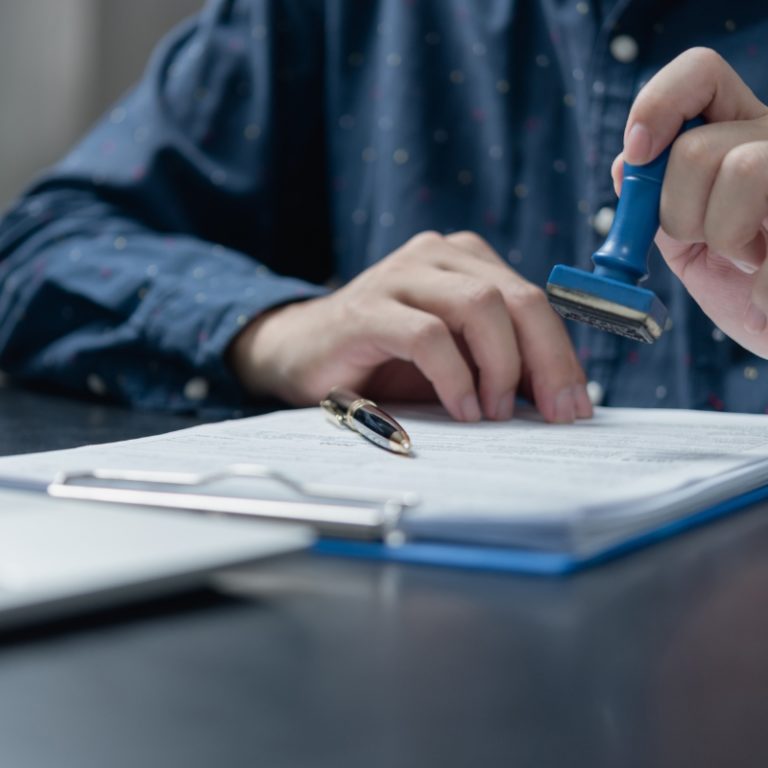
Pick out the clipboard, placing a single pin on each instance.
(350, 523)
(332, 510)
(527, 561)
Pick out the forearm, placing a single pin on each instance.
(93, 301)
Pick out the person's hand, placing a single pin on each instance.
(714, 201)
(440, 317)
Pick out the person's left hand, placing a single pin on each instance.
(714, 201)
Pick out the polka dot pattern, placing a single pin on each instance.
(241, 174)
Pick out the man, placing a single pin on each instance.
(432, 161)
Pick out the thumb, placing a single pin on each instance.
(698, 82)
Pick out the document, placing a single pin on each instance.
(574, 488)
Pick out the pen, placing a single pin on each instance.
(350, 410)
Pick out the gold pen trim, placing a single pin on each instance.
(343, 415)
(356, 405)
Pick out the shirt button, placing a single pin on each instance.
(196, 389)
(624, 48)
(603, 220)
(595, 392)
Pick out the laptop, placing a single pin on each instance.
(58, 556)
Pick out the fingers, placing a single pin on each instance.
(469, 323)
(756, 316)
(411, 334)
(557, 380)
(698, 82)
(474, 309)
(714, 201)
(697, 159)
(716, 191)
(738, 205)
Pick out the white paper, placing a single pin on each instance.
(521, 482)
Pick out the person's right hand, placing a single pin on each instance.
(440, 317)
(714, 201)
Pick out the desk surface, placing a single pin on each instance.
(659, 659)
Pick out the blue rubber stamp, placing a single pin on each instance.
(610, 297)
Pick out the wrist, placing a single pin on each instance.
(248, 355)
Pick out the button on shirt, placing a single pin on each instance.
(274, 148)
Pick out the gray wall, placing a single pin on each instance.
(61, 63)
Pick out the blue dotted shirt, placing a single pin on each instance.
(276, 147)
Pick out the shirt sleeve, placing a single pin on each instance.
(197, 203)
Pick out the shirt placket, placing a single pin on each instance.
(611, 87)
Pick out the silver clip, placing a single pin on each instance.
(332, 510)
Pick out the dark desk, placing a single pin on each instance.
(660, 659)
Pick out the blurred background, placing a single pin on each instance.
(62, 62)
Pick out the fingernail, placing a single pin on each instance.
(755, 320)
(470, 408)
(638, 146)
(743, 266)
(565, 408)
(505, 407)
(583, 403)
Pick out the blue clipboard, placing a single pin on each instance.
(528, 561)
(422, 552)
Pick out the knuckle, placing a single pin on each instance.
(428, 333)
(426, 239)
(529, 296)
(412, 248)
(693, 148)
(470, 241)
(479, 296)
(743, 163)
(467, 238)
(704, 58)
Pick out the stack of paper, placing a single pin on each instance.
(577, 489)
